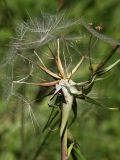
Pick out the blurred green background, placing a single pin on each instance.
(97, 130)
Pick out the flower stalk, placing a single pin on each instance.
(64, 151)
(66, 109)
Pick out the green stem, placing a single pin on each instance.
(64, 154)
(65, 112)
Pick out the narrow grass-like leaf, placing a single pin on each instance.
(88, 86)
(101, 72)
(70, 149)
(74, 108)
(92, 101)
(50, 119)
(76, 153)
(56, 101)
(107, 58)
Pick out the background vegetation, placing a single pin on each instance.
(96, 129)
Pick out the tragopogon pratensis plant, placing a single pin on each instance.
(52, 37)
